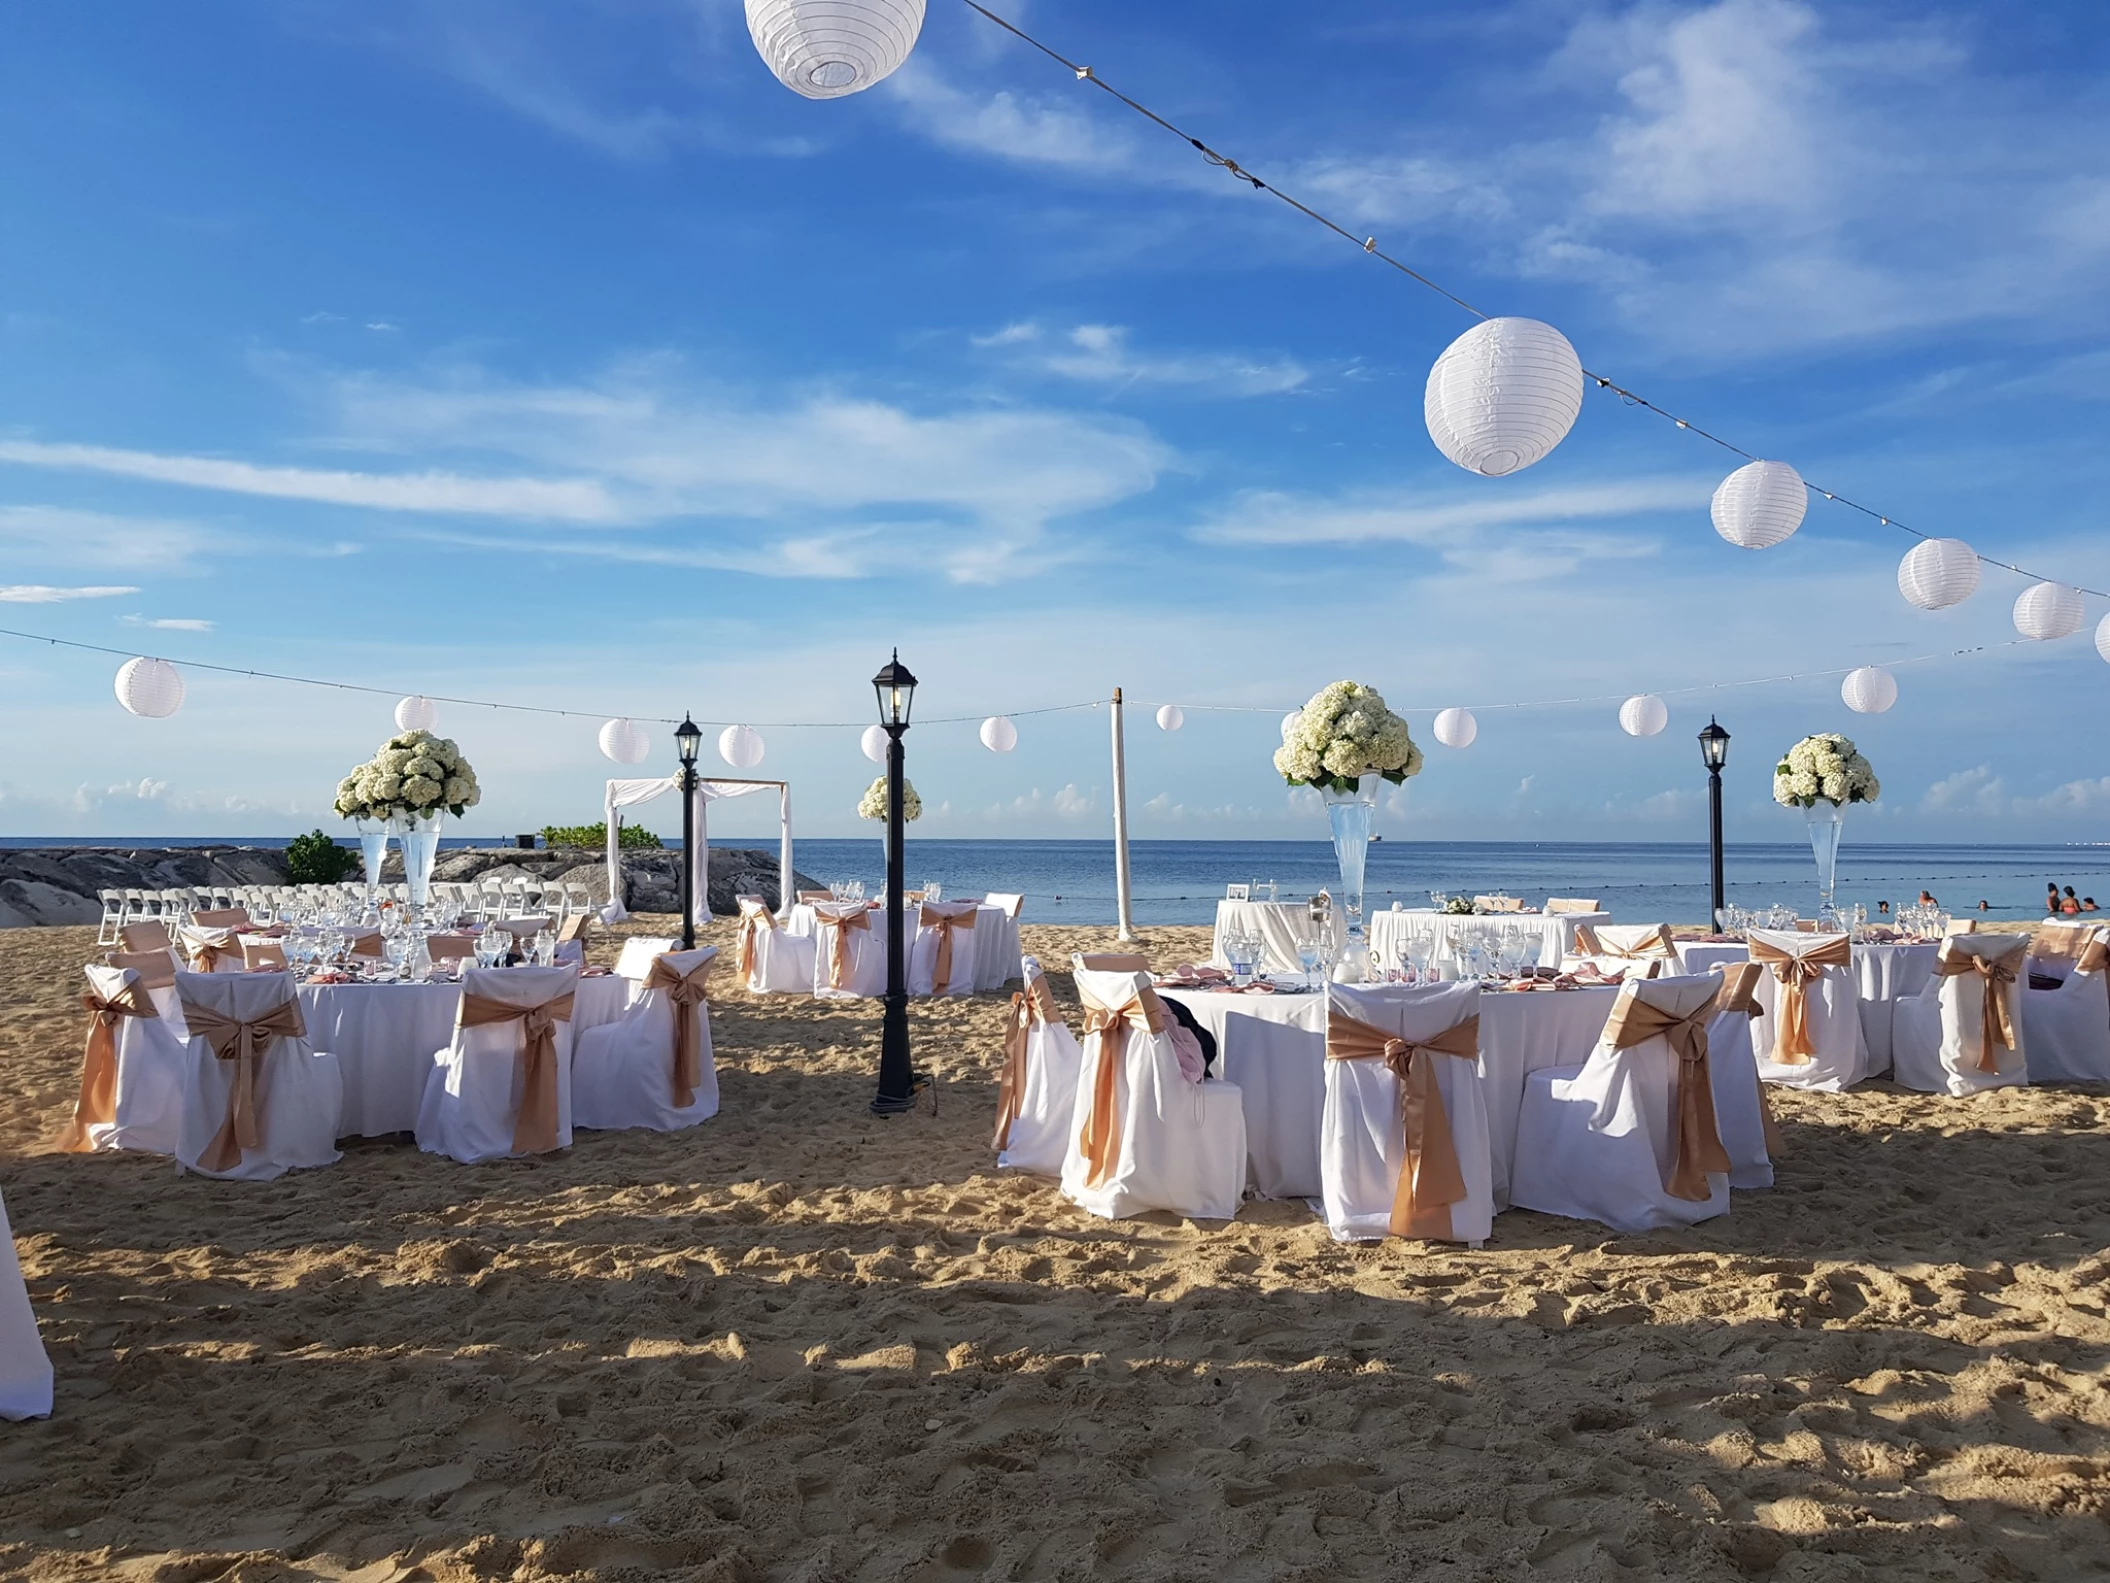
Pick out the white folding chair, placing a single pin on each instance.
(25, 1371)
(944, 939)
(113, 902)
(578, 898)
(1603, 1141)
(637, 1072)
(503, 1086)
(2066, 1026)
(134, 1067)
(1387, 1167)
(1037, 1095)
(1144, 1137)
(246, 1033)
(771, 961)
(491, 900)
(849, 950)
(1011, 903)
(1964, 1032)
(1808, 1031)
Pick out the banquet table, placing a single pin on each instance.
(385, 1035)
(1555, 931)
(1883, 976)
(1279, 925)
(996, 947)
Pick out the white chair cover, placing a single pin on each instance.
(1363, 1146)
(924, 943)
(223, 945)
(2066, 1031)
(1600, 1141)
(473, 1093)
(1938, 1036)
(152, 1061)
(25, 1372)
(1630, 949)
(867, 951)
(780, 963)
(1741, 1112)
(635, 960)
(1041, 1130)
(1831, 1009)
(299, 1093)
(622, 1073)
(1176, 1145)
(1010, 903)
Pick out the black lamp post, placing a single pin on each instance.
(897, 1082)
(688, 739)
(1714, 752)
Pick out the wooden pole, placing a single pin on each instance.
(1121, 882)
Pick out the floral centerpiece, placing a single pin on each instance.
(1822, 775)
(413, 780)
(872, 805)
(1343, 742)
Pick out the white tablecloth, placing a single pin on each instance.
(1274, 1048)
(996, 948)
(1280, 925)
(1883, 976)
(1555, 932)
(384, 1037)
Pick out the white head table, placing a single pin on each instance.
(1883, 976)
(1554, 931)
(996, 947)
(1278, 925)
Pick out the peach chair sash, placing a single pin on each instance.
(948, 918)
(535, 1128)
(1114, 962)
(447, 947)
(156, 969)
(686, 991)
(852, 915)
(1634, 1021)
(1656, 944)
(97, 1104)
(755, 919)
(1430, 1180)
(1792, 1044)
(222, 918)
(207, 946)
(152, 935)
(263, 956)
(1099, 1138)
(243, 1043)
(1997, 973)
(1030, 1007)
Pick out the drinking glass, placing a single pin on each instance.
(1308, 957)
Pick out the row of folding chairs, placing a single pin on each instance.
(482, 901)
(490, 900)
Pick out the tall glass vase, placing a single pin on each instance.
(1826, 820)
(1351, 813)
(421, 844)
(373, 851)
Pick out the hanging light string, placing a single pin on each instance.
(1368, 245)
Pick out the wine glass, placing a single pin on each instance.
(1308, 957)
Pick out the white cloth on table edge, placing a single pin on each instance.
(25, 1368)
(1280, 925)
(1556, 930)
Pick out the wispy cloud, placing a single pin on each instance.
(44, 594)
(169, 623)
(1101, 354)
(61, 536)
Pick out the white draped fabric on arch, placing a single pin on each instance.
(629, 793)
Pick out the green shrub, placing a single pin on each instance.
(596, 835)
(316, 859)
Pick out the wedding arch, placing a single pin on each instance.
(629, 793)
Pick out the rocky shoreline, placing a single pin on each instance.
(42, 886)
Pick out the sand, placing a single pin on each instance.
(799, 1343)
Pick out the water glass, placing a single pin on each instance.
(1308, 953)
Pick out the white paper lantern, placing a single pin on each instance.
(150, 688)
(625, 741)
(1643, 715)
(999, 735)
(1760, 505)
(740, 746)
(2102, 637)
(1503, 394)
(823, 49)
(1171, 717)
(1456, 728)
(1938, 573)
(1869, 690)
(417, 713)
(1289, 722)
(2049, 610)
(873, 744)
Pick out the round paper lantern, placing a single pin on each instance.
(417, 713)
(1938, 573)
(1869, 690)
(2102, 637)
(999, 735)
(823, 49)
(740, 746)
(1759, 505)
(625, 741)
(873, 744)
(151, 688)
(1503, 394)
(2049, 610)
(1643, 715)
(1171, 717)
(1456, 728)
(1289, 722)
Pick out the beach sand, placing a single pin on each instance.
(801, 1343)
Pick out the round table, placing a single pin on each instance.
(1553, 931)
(996, 947)
(1883, 976)
(1279, 925)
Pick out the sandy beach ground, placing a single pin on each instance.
(800, 1343)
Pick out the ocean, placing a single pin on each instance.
(1639, 882)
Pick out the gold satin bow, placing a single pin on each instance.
(1033, 1004)
(1634, 1021)
(686, 992)
(1996, 973)
(1792, 1044)
(1429, 1178)
(535, 1129)
(1655, 945)
(241, 1043)
(97, 1105)
(1099, 1139)
(947, 918)
(753, 921)
(156, 969)
(208, 947)
(839, 961)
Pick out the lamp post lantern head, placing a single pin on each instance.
(1714, 745)
(896, 688)
(688, 741)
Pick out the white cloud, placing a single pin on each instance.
(1010, 335)
(1451, 522)
(1007, 125)
(1100, 354)
(1974, 791)
(169, 623)
(61, 536)
(147, 790)
(45, 594)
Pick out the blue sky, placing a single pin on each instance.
(556, 354)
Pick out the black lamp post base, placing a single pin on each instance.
(897, 1105)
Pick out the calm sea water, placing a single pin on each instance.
(1179, 881)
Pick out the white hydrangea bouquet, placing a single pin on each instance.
(1825, 767)
(413, 772)
(872, 805)
(1344, 733)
